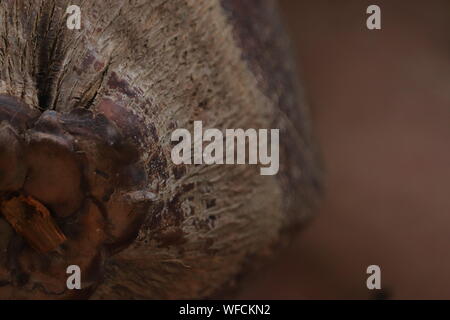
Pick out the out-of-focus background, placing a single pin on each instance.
(381, 106)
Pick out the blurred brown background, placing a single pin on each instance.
(381, 107)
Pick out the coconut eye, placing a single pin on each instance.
(73, 191)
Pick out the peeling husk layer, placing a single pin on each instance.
(86, 118)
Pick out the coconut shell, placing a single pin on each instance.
(86, 118)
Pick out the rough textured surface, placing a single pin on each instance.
(86, 118)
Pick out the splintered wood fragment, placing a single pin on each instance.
(33, 221)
